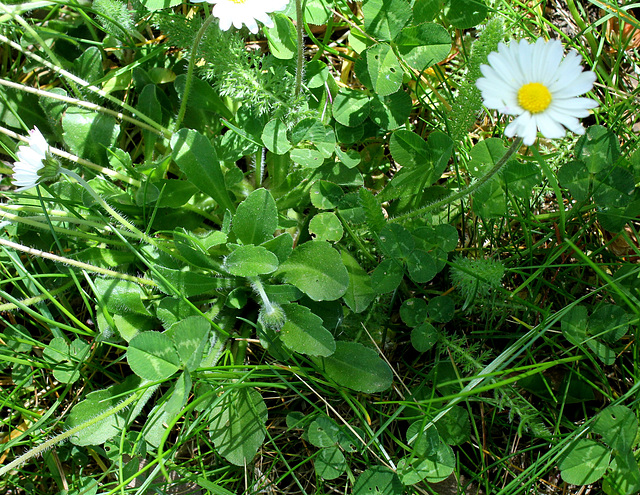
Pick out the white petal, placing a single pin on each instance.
(577, 107)
(568, 68)
(264, 18)
(501, 75)
(523, 126)
(30, 157)
(549, 127)
(549, 58)
(252, 25)
(37, 141)
(520, 62)
(500, 99)
(568, 121)
(525, 60)
(580, 84)
(246, 13)
(505, 69)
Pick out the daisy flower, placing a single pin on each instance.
(34, 162)
(239, 12)
(535, 82)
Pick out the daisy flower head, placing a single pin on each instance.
(35, 163)
(239, 12)
(539, 85)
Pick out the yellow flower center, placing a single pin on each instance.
(534, 97)
(238, 1)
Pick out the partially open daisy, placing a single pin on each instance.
(535, 82)
(239, 12)
(35, 163)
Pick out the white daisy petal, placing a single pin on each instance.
(37, 141)
(529, 131)
(549, 127)
(29, 155)
(493, 84)
(264, 18)
(578, 107)
(31, 158)
(568, 121)
(541, 88)
(225, 23)
(245, 12)
(580, 85)
(525, 59)
(549, 61)
(569, 67)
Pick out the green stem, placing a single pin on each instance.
(75, 159)
(593, 44)
(135, 232)
(76, 263)
(300, 61)
(35, 222)
(256, 284)
(68, 75)
(39, 41)
(123, 221)
(553, 181)
(43, 447)
(192, 64)
(355, 238)
(30, 301)
(515, 146)
(79, 103)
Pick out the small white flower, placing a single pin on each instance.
(535, 82)
(239, 12)
(32, 157)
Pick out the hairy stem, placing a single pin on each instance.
(30, 301)
(192, 64)
(300, 61)
(80, 103)
(256, 284)
(123, 221)
(76, 263)
(515, 146)
(44, 446)
(68, 75)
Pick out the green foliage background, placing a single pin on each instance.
(313, 268)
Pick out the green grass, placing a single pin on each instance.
(512, 379)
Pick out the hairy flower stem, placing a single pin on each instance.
(75, 159)
(515, 146)
(78, 264)
(43, 447)
(256, 284)
(192, 64)
(271, 314)
(300, 61)
(123, 221)
(81, 82)
(41, 43)
(30, 301)
(80, 103)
